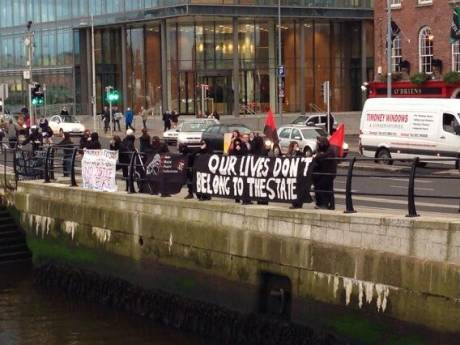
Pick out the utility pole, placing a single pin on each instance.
(29, 43)
(389, 48)
(280, 67)
(93, 67)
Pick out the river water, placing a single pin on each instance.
(32, 316)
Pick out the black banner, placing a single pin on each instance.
(252, 178)
(164, 174)
(29, 165)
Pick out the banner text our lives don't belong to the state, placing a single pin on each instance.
(250, 177)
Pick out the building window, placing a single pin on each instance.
(456, 56)
(395, 3)
(396, 54)
(425, 2)
(425, 45)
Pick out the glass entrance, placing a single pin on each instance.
(219, 94)
(186, 93)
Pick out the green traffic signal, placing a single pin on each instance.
(113, 96)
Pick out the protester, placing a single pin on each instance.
(35, 139)
(174, 118)
(167, 120)
(294, 150)
(144, 141)
(127, 147)
(205, 149)
(115, 143)
(190, 158)
(93, 142)
(246, 141)
(145, 116)
(324, 168)
(239, 148)
(45, 127)
(129, 118)
(157, 147)
(235, 135)
(258, 147)
(215, 115)
(66, 145)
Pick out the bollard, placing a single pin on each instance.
(411, 191)
(73, 181)
(348, 191)
(47, 162)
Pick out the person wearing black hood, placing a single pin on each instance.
(258, 149)
(35, 139)
(205, 149)
(324, 163)
(66, 145)
(144, 141)
(93, 142)
(157, 147)
(240, 148)
(127, 147)
(190, 157)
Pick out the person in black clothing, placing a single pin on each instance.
(93, 142)
(294, 150)
(205, 149)
(144, 141)
(64, 112)
(167, 120)
(258, 147)
(66, 145)
(115, 143)
(157, 147)
(106, 119)
(324, 163)
(174, 119)
(35, 139)
(127, 147)
(190, 156)
(240, 148)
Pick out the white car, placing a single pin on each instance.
(192, 131)
(305, 136)
(66, 123)
(170, 136)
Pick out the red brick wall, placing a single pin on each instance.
(411, 17)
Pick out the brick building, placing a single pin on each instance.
(424, 36)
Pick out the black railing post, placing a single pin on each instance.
(73, 181)
(47, 165)
(131, 170)
(412, 211)
(53, 151)
(348, 191)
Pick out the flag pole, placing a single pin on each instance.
(389, 48)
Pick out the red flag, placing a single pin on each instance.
(337, 139)
(270, 127)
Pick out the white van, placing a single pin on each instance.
(410, 127)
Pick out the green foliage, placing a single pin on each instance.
(395, 76)
(451, 77)
(419, 78)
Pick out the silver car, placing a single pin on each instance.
(170, 136)
(192, 131)
(305, 137)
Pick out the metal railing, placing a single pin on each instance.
(65, 161)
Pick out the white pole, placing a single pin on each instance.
(328, 95)
(93, 62)
(44, 96)
(280, 62)
(389, 48)
(111, 117)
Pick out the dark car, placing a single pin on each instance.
(215, 134)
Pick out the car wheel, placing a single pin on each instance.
(384, 156)
(307, 151)
(276, 151)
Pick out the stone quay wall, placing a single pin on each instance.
(405, 268)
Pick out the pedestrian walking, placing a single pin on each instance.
(144, 141)
(64, 111)
(145, 116)
(106, 119)
(116, 116)
(174, 119)
(129, 118)
(167, 120)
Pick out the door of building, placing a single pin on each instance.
(186, 93)
(219, 95)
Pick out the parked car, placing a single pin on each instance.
(66, 123)
(170, 136)
(192, 131)
(316, 120)
(305, 137)
(215, 134)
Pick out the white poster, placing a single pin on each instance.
(99, 169)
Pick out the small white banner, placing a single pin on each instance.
(99, 169)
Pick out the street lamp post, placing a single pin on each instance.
(280, 62)
(93, 67)
(389, 48)
(29, 43)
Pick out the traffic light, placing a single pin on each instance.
(113, 96)
(37, 96)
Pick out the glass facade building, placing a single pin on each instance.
(159, 53)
